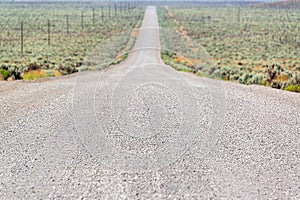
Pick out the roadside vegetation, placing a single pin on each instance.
(52, 39)
(249, 45)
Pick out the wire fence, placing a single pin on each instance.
(17, 30)
(57, 36)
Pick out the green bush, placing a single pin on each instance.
(258, 79)
(216, 74)
(293, 88)
(244, 79)
(234, 77)
(120, 59)
(4, 73)
(296, 78)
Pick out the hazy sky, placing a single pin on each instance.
(139, 0)
(142, 0)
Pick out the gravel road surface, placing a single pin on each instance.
(141, 130)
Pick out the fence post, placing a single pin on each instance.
(22, 37)
(109, 10)
(239, 15)
(115, 9)
(102, 14)
(82, 20)
(93, 16)
(68, 24)
(48, 32)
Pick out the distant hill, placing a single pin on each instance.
(285, 4)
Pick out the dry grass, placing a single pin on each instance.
(57, 73)
(34, 75)
(183, 60)
(282, 78)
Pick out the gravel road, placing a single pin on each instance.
(142, 130)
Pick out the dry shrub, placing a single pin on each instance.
(183, 60)
(34, 74)
(57, 73)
